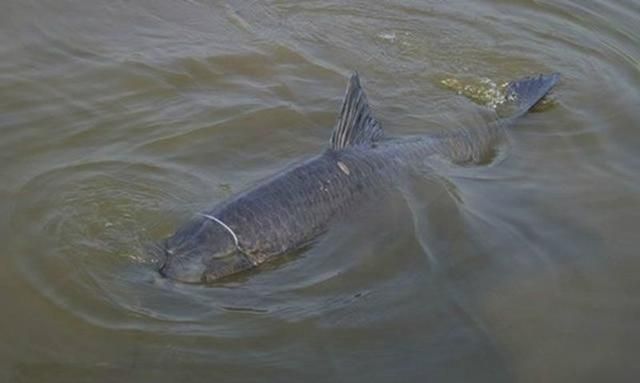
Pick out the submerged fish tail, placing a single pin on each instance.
(529, 91)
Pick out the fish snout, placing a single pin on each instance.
(182, 269)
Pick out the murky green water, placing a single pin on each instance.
(120, 119)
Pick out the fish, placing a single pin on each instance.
(290, 209)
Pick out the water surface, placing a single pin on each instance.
(119, 120)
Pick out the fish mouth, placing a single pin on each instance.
(182, 276)
(181, 269)
(192, 271)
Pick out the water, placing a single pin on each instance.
(119, 120)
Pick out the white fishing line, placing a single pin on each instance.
(227, 228)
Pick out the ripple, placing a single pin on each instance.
(119, 121)
(97, 220)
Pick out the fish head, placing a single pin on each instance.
(201, 251)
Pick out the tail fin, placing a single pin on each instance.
(528, 91)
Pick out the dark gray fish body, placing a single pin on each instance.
(296, 205)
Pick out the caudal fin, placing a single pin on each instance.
(528, 91)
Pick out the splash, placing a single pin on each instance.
(483, 91)
(487, 92)
(388, 36)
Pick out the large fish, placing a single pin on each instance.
(296, 205)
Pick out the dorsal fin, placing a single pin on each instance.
(356, 125)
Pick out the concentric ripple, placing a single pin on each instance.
(120, 120)
(99, 222)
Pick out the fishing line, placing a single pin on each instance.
(227, 228)
(233, 234)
